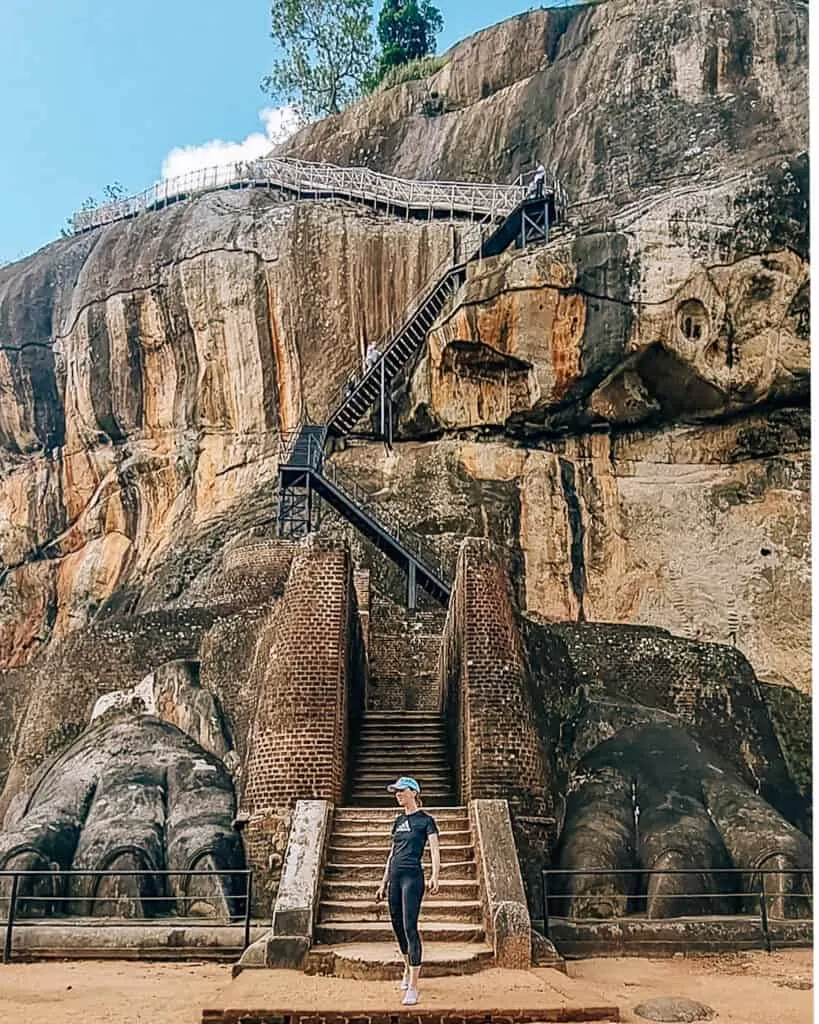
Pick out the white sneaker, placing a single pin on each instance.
(411, 998)
(404, 984)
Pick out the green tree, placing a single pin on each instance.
(407, 31)
(327, 54)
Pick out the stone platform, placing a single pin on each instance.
(493, 996)
(119, 939)
(382, 961)
(640, 936)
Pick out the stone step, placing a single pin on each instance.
(449, 890)
(380, 737)
(429, 794)
(378, 931)
(343, 836)
(400, 716)
(382, 840)
(375, 729)
(384, 775)
(381, 961)
(372, 798)
(377, 802)
(373, 871)
(379, 759)
(366, 834)
(432, 911)
(427, 780)
(362, 825)
(408, 753)
(387, 814)
(402, 729)
(366, 854)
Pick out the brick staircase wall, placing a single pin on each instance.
(310, 696)
(404, 651)
(489, 705)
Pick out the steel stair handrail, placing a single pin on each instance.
(312, 460)
(425, 554)
(392, 336)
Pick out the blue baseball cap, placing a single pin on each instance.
(405, 782)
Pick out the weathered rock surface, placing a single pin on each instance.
(624, 410)
(587, 332)
(673, 1008)
(146, 371)
(615, 97)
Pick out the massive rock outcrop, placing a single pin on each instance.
(624, 409)
(615, 97)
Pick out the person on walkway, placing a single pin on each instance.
(539, 179)
(405, 876)
(371, 357)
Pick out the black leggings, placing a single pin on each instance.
(406, 893)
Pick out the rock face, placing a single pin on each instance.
(614, 97)
(624, 410)
(146, 373)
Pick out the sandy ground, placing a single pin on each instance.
(744, 988)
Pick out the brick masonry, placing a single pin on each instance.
(541, 1015)
(403, 652)
(490, 704)
(310, 695)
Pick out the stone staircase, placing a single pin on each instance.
(357, 853)
(391, 744)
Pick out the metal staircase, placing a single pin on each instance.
(528, 223)
(303, 473)
(399, 348)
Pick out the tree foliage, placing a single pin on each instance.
(327, 53)
(407, 31)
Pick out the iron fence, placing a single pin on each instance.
(60, 897)
(730, 893)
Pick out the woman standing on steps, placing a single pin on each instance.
(405, 876)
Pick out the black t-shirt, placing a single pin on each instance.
(409, 837)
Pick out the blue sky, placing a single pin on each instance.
(95, 92)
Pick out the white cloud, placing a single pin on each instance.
(279, 122)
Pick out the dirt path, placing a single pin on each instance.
(744, 988)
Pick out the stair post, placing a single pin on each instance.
(411, 588)
(383, 392)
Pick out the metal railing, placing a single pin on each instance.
(393, 334)
(422, 550)
(741, 889)
(161, 893)
(311, 456)
(311, 180)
